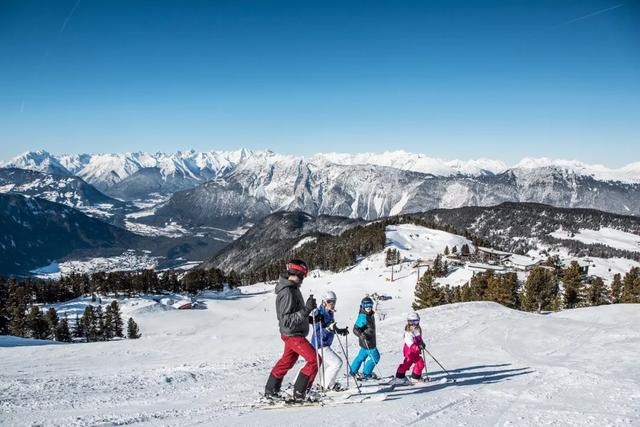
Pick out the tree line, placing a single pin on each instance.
(547, 287)
(94, 324)
(20, 314)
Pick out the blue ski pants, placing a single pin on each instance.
(372, 357)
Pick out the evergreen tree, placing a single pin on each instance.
(503, 290)
(132, 329)
(437, 269)
(118, 324)
(4, 312)
(457, 296)
(616, 289)
(89, 324)
(99, 319)
(478, 285)
(17, 308)
(78, 328)
(62, 333)
(108, 330)
(38, 325)
(427, 293)
(573, 287)
(539, 290)
(388, 260)
(631, 286)
(454, 250)
(18, 323)
(597, 293)
(446, 252)
(52, 320)
(465, 250)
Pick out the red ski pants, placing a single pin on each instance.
(411, 357)
(294, 347)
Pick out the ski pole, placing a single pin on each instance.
(439, 364)
(346, 356)
(324, 383)
(346, 344)
(424, 358)
(315, 337)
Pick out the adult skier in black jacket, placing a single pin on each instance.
(293, 318)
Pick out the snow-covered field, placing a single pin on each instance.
(200, 367)
(172, 229)
(606, 236)
(129, 261)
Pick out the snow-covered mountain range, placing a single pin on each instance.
(67, 190)
(105, 170)
(228, 189)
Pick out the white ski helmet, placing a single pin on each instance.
(329, 296)
(413, 316)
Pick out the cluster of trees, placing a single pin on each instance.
(546, 288)
(37, 324)
(98, 325)
(392, 257)
(21, 316)
(439, 268)
(18, 319)
(482, 287)
(125, 283)
(464, 250)
(332, 253)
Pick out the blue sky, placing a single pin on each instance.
(451, 79)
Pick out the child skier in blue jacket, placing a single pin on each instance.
(322, 337)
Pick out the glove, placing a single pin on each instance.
(422, 345)
(342, 331)
(311, 304)
(316, 317)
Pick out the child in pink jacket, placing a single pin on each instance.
(413, 346)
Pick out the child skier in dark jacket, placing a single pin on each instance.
(365, 330)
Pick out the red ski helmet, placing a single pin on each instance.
(297, 267)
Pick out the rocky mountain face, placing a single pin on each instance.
(280, 180)
(273, 236)
(68, 190)
(34, 232)
(255, 189)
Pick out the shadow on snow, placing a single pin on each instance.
(472, 375)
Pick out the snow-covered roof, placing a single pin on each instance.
(493, 251)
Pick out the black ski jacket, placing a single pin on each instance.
(365, 329)
(293, 317)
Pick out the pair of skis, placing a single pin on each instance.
(368, 394)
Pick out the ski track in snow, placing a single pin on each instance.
(204, 367)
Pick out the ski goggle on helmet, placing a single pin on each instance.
(366, 303)
(298, 267)
(413, 318)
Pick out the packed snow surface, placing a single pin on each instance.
(201, 367)
(606, 236)
(414, 241)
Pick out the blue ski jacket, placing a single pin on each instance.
(321, 335)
